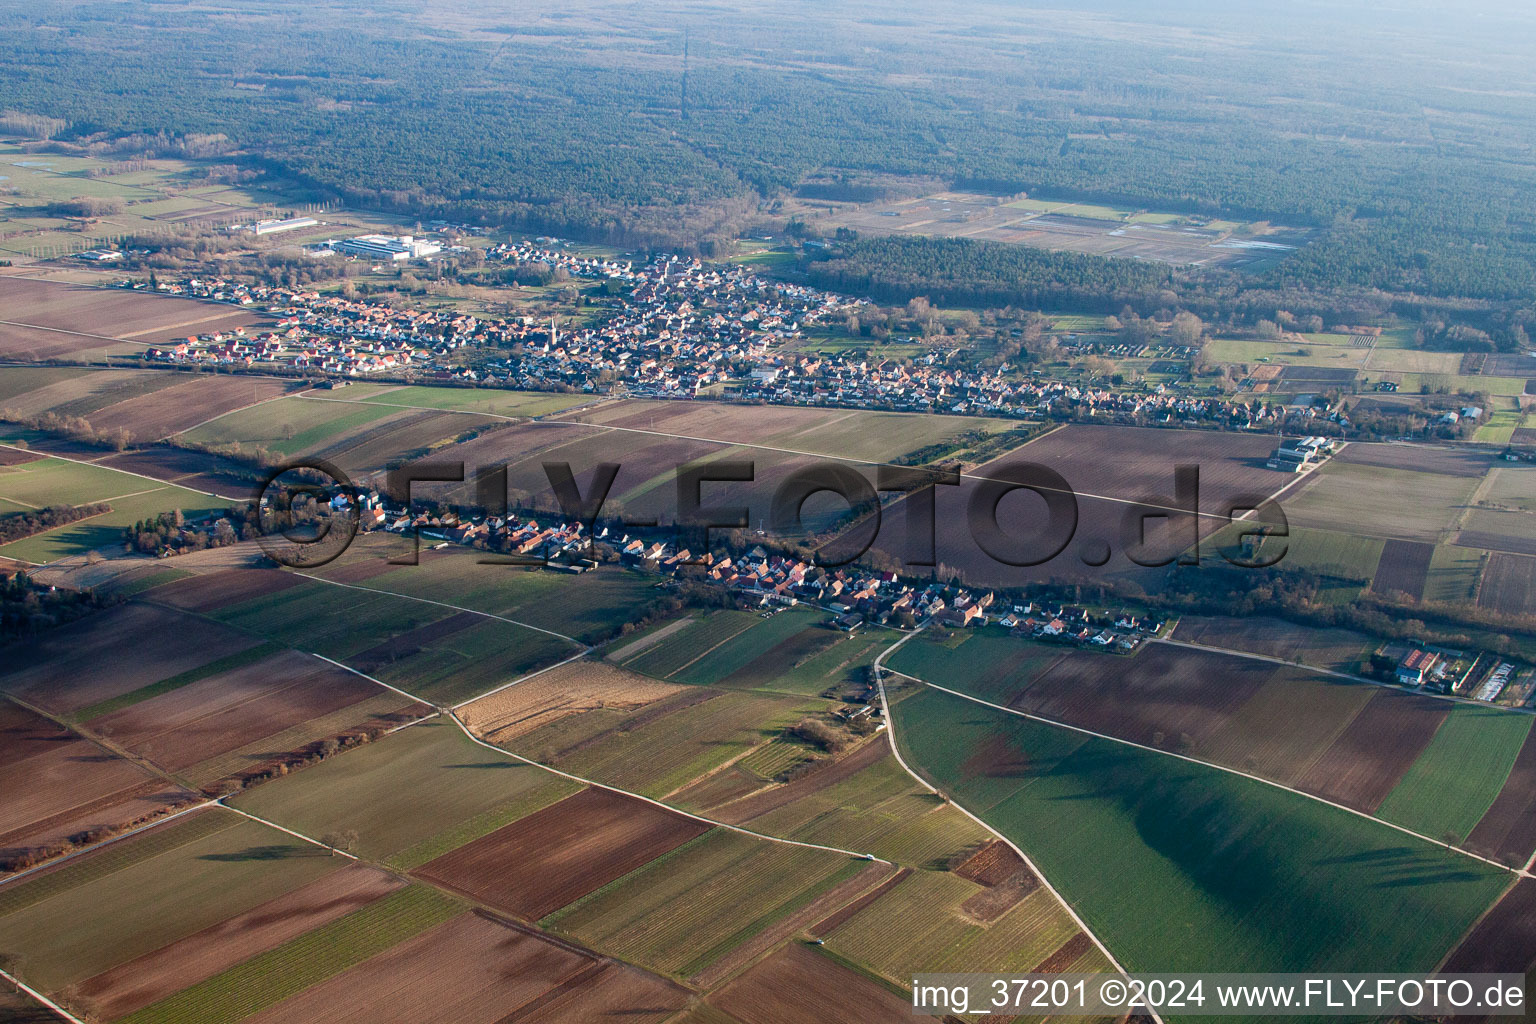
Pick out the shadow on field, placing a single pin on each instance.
(272, 852)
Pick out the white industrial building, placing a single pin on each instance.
(385, 247)
(272, 227)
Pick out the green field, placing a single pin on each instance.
(1453, 574)
(1329, 552)
(289, 426)
(473, 661)
(270, 977)
(1454, 781)
(742, 648)
(146, 892)
(488, 400)
(19, 380)
(1371, 500)
(681, 649)
(1500, 426)
(837, 664)
(52, 481)
(880, 810)
(329, 620)
(228, 663)
(1287, 352)
(589, 607)
(990, 664)
(918, 927)
(669, 752)
(1180, 867)
(686, 909)
(411, 796)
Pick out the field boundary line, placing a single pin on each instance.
(453, 717)
(817, 455)
(380, 682)
(44, 1000)
(890, 735)
(666, 807)
(711, 649)
(289, 831)
(963, 476)
(229, 412)
(444, 604)
(1223, 768)
(114, 469)
(522, 679)
(77, 334)
(55, 862)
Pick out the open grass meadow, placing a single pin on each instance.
(1326, 552)
(137, 895)
(1454, 573)
(1456, 778)
(411, 796)
(684, 910)
(1250, 877)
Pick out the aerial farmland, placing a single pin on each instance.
(765, 513)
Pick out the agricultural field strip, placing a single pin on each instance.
(230, 412)
(427, 408)
(795, 451)
(280, 828)
(396, 689)
(520, 679)
(17, 983)
(1448, 698)
(77, 334)
(577, 778)
(125, 472)
(444, 604)
(55, 862)
(1231, 771)
(220, 801)
(890, 733)
(667, 807)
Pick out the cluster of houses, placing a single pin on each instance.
(939, 383)
(1068, 624)
(760, 579)
(684, 327)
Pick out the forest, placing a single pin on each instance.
(685, 127)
